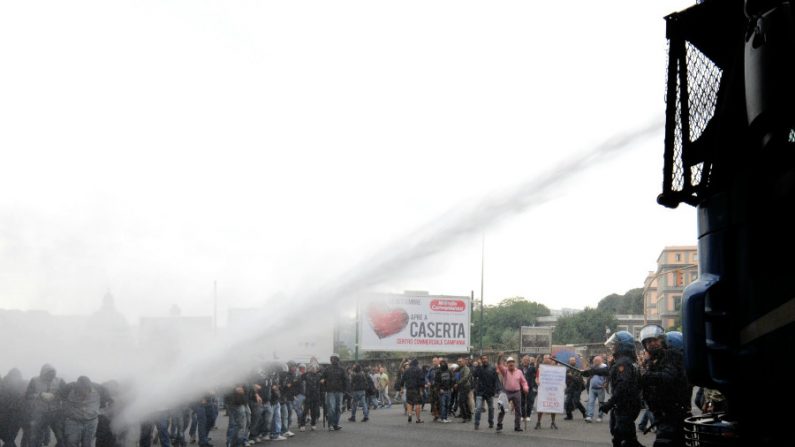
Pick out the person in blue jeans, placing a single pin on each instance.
(336, 382)
(276, 426)
(487, 384)
(161, 421)
(274, 418)
(596, 390)
(359, 387)
(203, 412)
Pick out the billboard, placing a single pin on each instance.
(414, 323)
(535, 340)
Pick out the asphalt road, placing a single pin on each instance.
(388, 427)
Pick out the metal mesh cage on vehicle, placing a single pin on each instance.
(693, 83)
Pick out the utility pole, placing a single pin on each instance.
(471, 347)
(482, 264)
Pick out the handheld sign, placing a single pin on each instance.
(551, 389)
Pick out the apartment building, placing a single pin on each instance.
(677, 266)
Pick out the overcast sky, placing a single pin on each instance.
(152, 147)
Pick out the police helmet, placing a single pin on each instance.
(651, 331)
(621, 342)
(675, 340)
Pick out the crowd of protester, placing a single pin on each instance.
(470, 387)
(277, 398)
(271, 402)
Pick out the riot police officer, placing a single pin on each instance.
(664, 384)
(624, 403)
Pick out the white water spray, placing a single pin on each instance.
(232, 356)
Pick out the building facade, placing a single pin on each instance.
(677, 266)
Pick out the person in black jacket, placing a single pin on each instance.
(665, 387)
(13, 412)
(414, 381)
(335, 382)
(444, 383)
(286, 384)
(433, 390)
(529, 371)
(624, 404)
(311, 381)
(273, 411)
(574, 387)
(359, 387)
(487, 382)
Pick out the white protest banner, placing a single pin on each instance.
(422, 323)
(551, 389)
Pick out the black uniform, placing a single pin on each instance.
(667, 393)
(624, 401)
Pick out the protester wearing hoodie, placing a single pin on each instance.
(108, 434)
(13, 413)
(82, 401)
(42, 396)
(444, 383)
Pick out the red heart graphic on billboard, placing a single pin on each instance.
(387, 321)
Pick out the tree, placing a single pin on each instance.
(630, 302)
(501, 322)
(344, 352)
(385, 355)
(587, 326)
